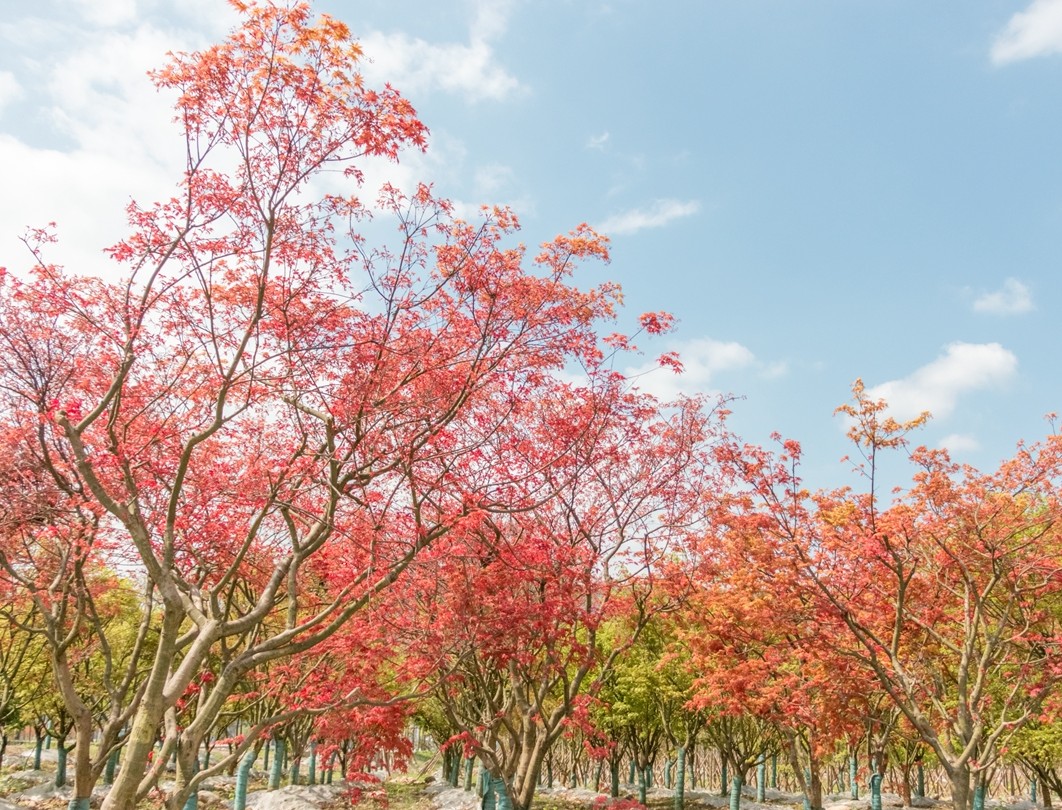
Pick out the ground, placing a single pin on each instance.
(22, 788)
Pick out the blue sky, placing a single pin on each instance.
(818, 191)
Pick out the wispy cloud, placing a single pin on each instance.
(657, 215)
(937, 386)
(1036, 31)
(956, 443)
(469, 69)
(703, 360)
(107, 12)
(597, 141)
(1013, 298)
(10, 89)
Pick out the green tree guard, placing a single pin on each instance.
(649, 776)
(761, 779)
(597, 776)
(243, 776)
(455, 770)
(469, 767)
(496, 795)
(774, 772)
(875, 791)
(111, 767)
(920, 787)
(78, 804)
(60, 766)
(278, 764)
(206, 756)
(735, 793)
(47, 742)
(667, 773)
(312, 776)
(1032, 790)
(38, 745)
(852, 773)
(501, 791)
(631, 780)
(265, 764)
(483, 786)
(293, 770)
(680, 778)
(331, 767)
(979, 796)
(807, 789)
(641, 786)
(613, 768)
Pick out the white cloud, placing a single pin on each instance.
(1037, 31)
(1012, 298)
(416, 66)
(107, 12)
(10, 89)
(597, 141)
(703, 361)
(657, 215)
(491, 19)
(956, 443)
(937, 386)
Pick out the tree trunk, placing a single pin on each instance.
(243, 776)
(761, 779)
(875, 791)
(278, 764)
(111, 767)
(853, 776)
(961, 794)
(60, 766)
(735, 793)
(680, 778)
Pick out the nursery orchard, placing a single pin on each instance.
(319, 464)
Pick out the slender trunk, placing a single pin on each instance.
(293, 771)
(641, 786)
(614, 767)
(853, 776)
(38, 745)
(724, 776)
(875, 791)
(469, 767)
(84, 779)
(920, 787)
(312, 775)
(761, 779)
